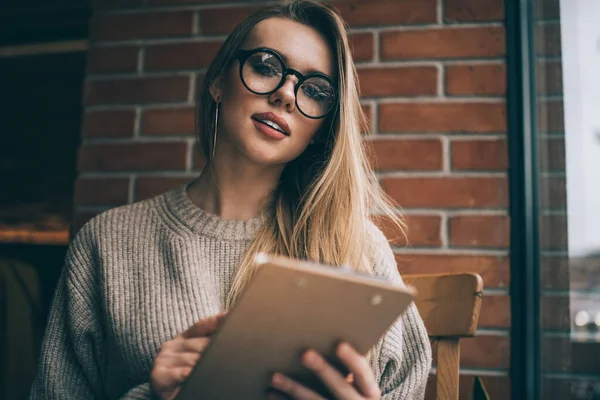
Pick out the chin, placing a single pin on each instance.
(266, 154)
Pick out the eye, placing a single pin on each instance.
(266, 69)
(316, 92)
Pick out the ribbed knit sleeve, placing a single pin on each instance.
(402, 359)
(71, 363)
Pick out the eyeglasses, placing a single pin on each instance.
(263, 72)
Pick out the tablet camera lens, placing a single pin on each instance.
(376, 299)
(300, 282)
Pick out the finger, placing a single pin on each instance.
(181, 345)
(329, 375)
(205, 326)
(168, 378)
(362, 375)
(292, 388)
(193, 345)
(175, 360)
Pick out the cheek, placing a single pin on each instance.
(310, 129)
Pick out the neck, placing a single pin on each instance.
(233, 187)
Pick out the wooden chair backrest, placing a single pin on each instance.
(449, 305)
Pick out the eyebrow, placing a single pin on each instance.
(286, 60)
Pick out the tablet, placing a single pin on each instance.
(287, 307)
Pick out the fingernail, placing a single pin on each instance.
(277, 379)
(310, 357)
(343, 348)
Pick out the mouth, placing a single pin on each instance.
(273, 121)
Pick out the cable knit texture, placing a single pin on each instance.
(138, 275)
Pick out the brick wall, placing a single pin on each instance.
(432, 75)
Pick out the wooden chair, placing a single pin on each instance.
(449, 305)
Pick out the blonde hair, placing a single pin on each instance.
(320, 210)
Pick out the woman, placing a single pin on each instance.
(145, 285)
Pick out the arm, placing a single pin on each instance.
(71, 361)
(405, 358)
(404, 354)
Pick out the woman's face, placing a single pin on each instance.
(242, 114)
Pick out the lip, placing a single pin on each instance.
(273, 117)
(268, 131)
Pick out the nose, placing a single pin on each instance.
(284, 96)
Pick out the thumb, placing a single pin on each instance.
(205, 326)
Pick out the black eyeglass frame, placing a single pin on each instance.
(243, 55)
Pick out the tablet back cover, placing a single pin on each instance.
(290, 306)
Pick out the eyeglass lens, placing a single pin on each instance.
(262, 72)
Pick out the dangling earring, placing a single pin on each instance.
(215, 131)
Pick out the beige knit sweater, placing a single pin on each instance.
(138, 275)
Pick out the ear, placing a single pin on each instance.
(216, 89)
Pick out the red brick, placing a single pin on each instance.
(221, 21)
(549, 77)
(101, 191)
(405, 154)
(478, 79)
(495, 311)
(556, 313)
(443, 43)
(362, 46)
(479, 231)
(180, 55)
(422, 230)
(494, 270)
(551, 116)
(141, 26)
(112, 59)
(472, 192)
(148, 187)
(133, 156)
(553, 192)
(168, 121)
(368, 110)
(137, 90)
(552, 154)
(401, 81)
(108, 124)
(553, 232)
(497, 386)
(474, 10)
(442, 117)
(483, 351)
(547, 39)
(387, 12)
(479, 155)
(566, 355)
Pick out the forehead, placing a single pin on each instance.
(304, 48)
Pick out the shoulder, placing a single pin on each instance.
(127, 220)
(382, 258)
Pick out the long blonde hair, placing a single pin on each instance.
(320, 210)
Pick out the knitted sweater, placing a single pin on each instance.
(138, 275)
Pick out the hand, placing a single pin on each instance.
(177, 357)
(360, 384)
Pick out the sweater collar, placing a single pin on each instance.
(204, 223)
